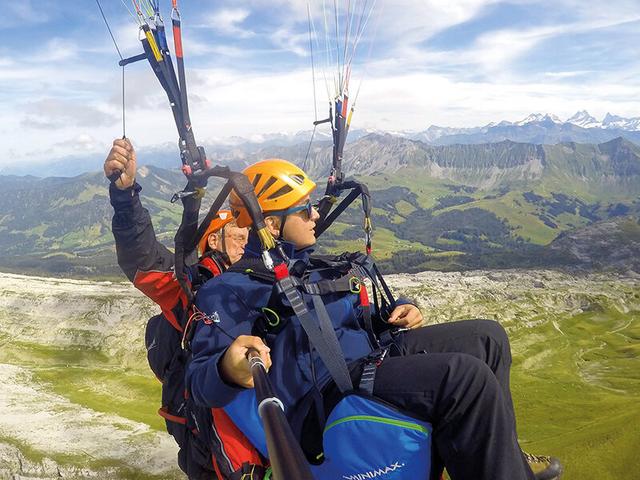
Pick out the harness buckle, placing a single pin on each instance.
(377, 356)
(271, 317)
(267, 260)
(184, 194)
(355, 284)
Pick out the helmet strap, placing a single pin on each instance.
(223, 241)
(283, 219)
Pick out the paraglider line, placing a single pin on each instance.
(124, 128)
(366, 68)
(135, 19)
(313, 69)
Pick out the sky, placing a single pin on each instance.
(249, 67)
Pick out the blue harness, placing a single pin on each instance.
(364, 437)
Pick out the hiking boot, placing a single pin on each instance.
(543, 467)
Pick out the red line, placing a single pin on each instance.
(172, 418)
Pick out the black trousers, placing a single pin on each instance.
(456, 377)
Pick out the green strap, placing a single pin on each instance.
(388, 421)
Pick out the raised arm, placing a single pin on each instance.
(142, 258)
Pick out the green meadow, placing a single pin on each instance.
(576, 359)
(576, 386)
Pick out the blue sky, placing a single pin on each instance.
(422, 62)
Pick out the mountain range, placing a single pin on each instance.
(538, 128)
(446, 207)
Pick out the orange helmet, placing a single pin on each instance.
(278, 184)
(220, 220)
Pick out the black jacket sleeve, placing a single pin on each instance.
(136, 244)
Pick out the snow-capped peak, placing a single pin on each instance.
(539, 117)
(617, 122)
(584, 120)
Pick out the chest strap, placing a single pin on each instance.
(274, 314)
(323, 338)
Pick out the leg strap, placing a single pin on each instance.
(373, 361)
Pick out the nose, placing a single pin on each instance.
(315, 215)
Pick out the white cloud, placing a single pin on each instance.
(232, 103)
(288, 40)
(228, 21)
(568, 74)
(198, 48)
(493, 52)
(414, 21)
(54, 114)
(82, 143)
(292, 10)
(610, 12)
(55, 50)
(22, 13)
(127, 37)
(78, 99)
(415, 101)
(31, 78)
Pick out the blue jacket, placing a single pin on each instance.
(233, 300)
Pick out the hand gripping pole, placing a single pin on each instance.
(286, 457)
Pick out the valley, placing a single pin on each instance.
(452, 207)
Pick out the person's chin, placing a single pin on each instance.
(308, 244)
